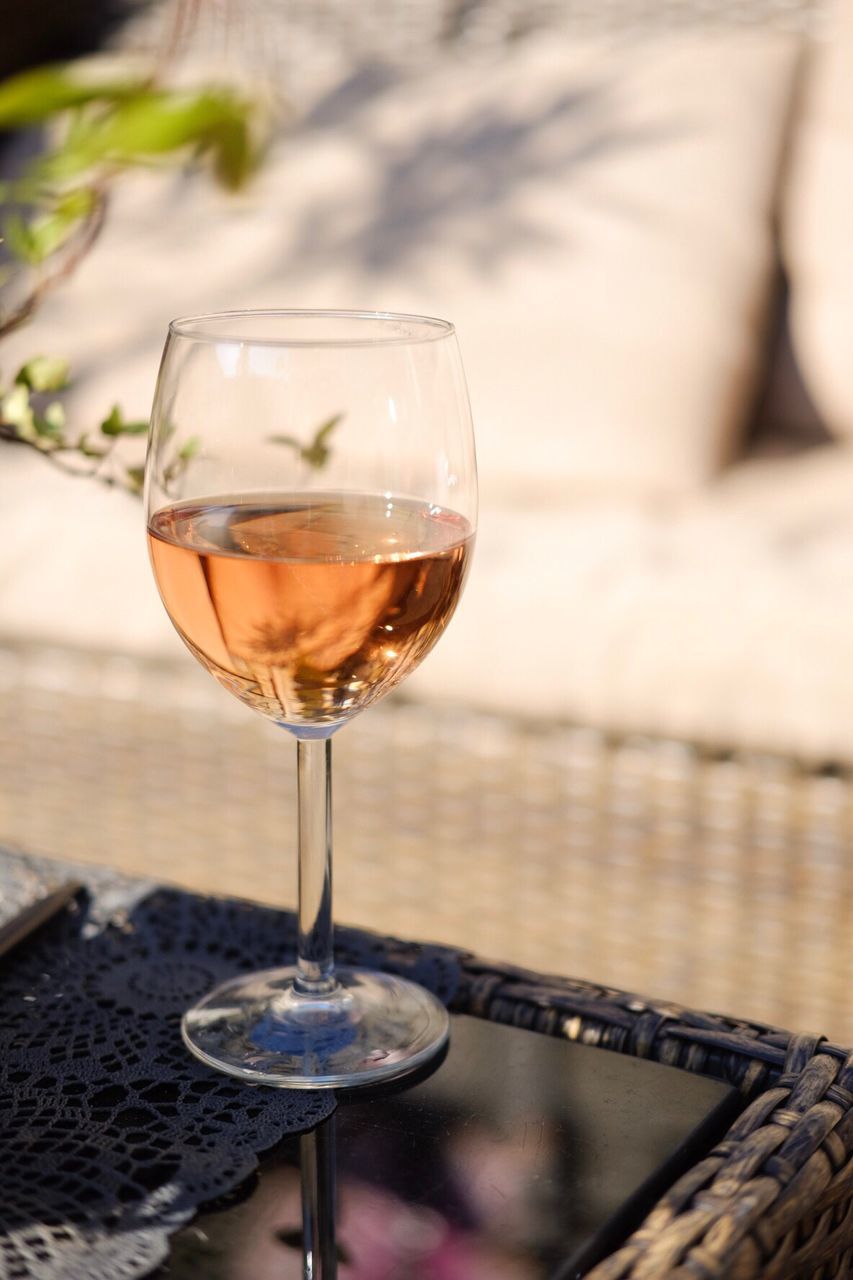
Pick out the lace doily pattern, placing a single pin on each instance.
(112, 1135)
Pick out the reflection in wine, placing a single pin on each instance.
(309, 607)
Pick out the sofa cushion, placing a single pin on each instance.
(595, 219)
(596, 222)
(817, 220)
(720, 617)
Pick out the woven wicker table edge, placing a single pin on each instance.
(774, 1199)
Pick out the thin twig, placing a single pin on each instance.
(185, 14)
(81, 245)
(9, 435)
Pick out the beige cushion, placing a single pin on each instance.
(595, 220)
(818, 224)
(611, 292)
(723, 617)
(597, 226)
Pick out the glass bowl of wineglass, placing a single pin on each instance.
(311, 499)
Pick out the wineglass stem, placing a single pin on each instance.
(315, 964)
(317, 1164)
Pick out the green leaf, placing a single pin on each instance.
(43, 373)
(19, 239)
(54, 414)
(189, 449)
(234, 157)
(49, 233)
(316, 454)
(36, 95)
(43, 235)
(159, 123)
(15, 409)
(135, 478)
(77, 203)
(51, 423)
(156, 123)
(88, 449)
(115, 425)
(112, 425)
(38, 240)
(178, 465)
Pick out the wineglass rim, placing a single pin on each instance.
(369, 328)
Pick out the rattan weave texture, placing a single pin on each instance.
(720, 880)
(774, 1200)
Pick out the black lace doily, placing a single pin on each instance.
(112, 1134)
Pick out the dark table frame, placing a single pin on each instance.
(774, 1199)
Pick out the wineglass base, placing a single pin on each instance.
(373, 1026)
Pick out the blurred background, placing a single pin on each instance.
(629, 759)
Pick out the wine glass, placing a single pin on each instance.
(311, 500)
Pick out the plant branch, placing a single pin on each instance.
(80, 247)
(9, 435)
(184, 18)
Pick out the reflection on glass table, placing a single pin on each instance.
(516, 1157)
